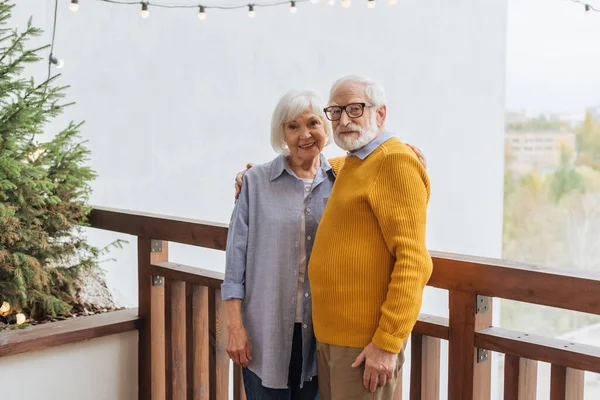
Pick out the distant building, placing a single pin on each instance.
(539, 150)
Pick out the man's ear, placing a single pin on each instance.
(381, 116)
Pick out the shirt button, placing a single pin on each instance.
(308, 210)
(308, 238)
(305, 326)
(307, 189)
(305, 294)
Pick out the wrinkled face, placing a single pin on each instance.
(352, 133)
(305, 136)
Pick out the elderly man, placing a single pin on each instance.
(369, 263)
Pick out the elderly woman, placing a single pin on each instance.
(270, 240)
(269, 243)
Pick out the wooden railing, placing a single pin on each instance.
(182, 335)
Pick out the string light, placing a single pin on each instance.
(251, 13)
(59, 63)
(371, 4)
(201, 14)
(346, 3)
(145, 13)
(293, 8)
(314, 1)
(74, 6)
(392, 2)
(588, 7)
(331, 2)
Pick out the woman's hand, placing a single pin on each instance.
(419, 154)
(238, 346)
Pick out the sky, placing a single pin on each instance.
(553, 56)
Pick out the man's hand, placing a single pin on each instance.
(379, 366)
(419, 154)
(239, 178)
(238, 347)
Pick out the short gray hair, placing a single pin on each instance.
(290, 107)
(374, 91)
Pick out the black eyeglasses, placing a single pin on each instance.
(353, 110)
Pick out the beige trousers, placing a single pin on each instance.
(339, 381)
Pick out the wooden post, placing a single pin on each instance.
(469, 378)
(425, 368)
(520, 378)
(151, 380)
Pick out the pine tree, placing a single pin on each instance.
(44, 186)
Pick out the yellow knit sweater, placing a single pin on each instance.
(369, 263)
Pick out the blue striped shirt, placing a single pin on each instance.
(262, 262)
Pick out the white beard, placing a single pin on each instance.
(365, 136)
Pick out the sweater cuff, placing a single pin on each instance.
(387, 342)
(232, 291)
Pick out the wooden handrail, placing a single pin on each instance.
(485, 276)
(69, 331)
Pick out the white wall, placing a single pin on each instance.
(98, 369)
(176, 106)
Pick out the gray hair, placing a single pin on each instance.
(374, 91)
(290, 107)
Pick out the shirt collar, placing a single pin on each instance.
(280, 164)
(364, 151)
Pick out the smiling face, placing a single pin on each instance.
(305, 136)
(354, 133)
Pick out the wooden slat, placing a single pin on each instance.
(211, 235)
(238, 383)
(157, 306)
(520, 378)
(566, 383)
(517, 281)
(222, 361)
(202, 347)
(432, 326)
(40, 337)
(534, 347)
(186, 273)
(175, 322)
(146, 390)
(425, 368)
(212, 344)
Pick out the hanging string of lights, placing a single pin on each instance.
(202, 8)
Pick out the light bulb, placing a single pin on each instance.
(20, 319)
(74, 6)
(371, 4)
(331, 2)
(251, 12)
(293, 8)
(145, 13)
(57, 62)
(201, 14)
(346, 3)
(392, 2)
(588, 10)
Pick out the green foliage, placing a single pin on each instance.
(43, 186)
(588, 142)
(537, 124)
(566, 178)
